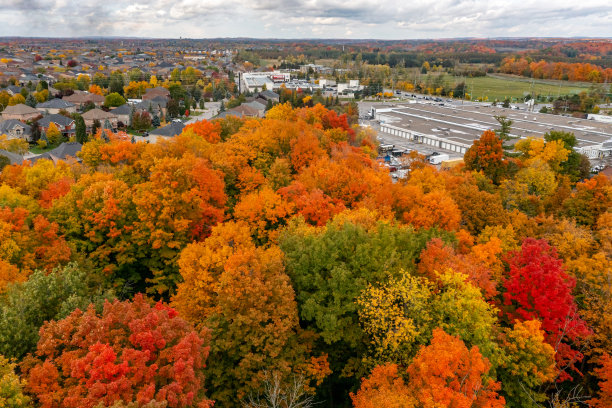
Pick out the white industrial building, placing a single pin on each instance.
(454, 128)
(257, 81)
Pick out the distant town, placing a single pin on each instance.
(56, 91)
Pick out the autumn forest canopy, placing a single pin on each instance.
(274, 263)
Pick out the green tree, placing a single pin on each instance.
(173, 108)
(330, 268)
(113, 100)
(31, 101)
(96, 125)
(577, 165)
(26, 306)
(116, 83)
(80, 128)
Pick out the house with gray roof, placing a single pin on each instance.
(123, 113)
(63, 123)
(172, 129)
(156, 92)
(15, 129)
(80, 99)
(225, 114)
(65, 151)
(156, 105)
(13, 158)
(257, 105)
(13, 90)
(55, 105)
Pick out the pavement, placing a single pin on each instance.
(212, 109)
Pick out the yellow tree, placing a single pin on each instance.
(53, 134)
(530, 362)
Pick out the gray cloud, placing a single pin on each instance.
(392, 19)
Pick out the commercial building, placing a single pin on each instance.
(257, 81)
(454, 127)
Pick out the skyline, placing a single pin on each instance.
(310, 19)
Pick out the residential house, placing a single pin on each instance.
(53, 106)
(246, 110)
(225, 114)
(14, 129)
(63, 123)
(20, 112)
(26, 79)
(257, 105)
(13, 90)
(13, 158)
(123, 113)
(102, 116)
(172, 129)
(156, 92)
(65, 151)
(80, 99)
(155, 106)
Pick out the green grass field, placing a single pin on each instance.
(499, 87)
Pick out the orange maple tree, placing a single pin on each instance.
(444, 374)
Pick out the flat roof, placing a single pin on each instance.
(465, 123)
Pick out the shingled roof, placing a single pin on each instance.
(19, 109)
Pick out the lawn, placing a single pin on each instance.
(36, 149)
(499, 87)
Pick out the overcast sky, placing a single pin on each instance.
(384, 19)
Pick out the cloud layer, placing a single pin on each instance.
(390, 19)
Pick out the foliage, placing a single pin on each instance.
(113, 99)
(446, 373)
(530, 363)
(538, 288)
(130, 352)
(486, 155)
(11, 386)
(53, 134)
(17, 145)
(397, 318)
(243, 295)
(80, 129)
(24, 307)
(604, 399)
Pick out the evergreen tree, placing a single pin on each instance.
(155, 122)
(80, 129)
(222, 107)
(30, 101)
(504, 133)
(131, 116)
(173, 108)
(96, 125)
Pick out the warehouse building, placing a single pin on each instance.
(454, 127)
